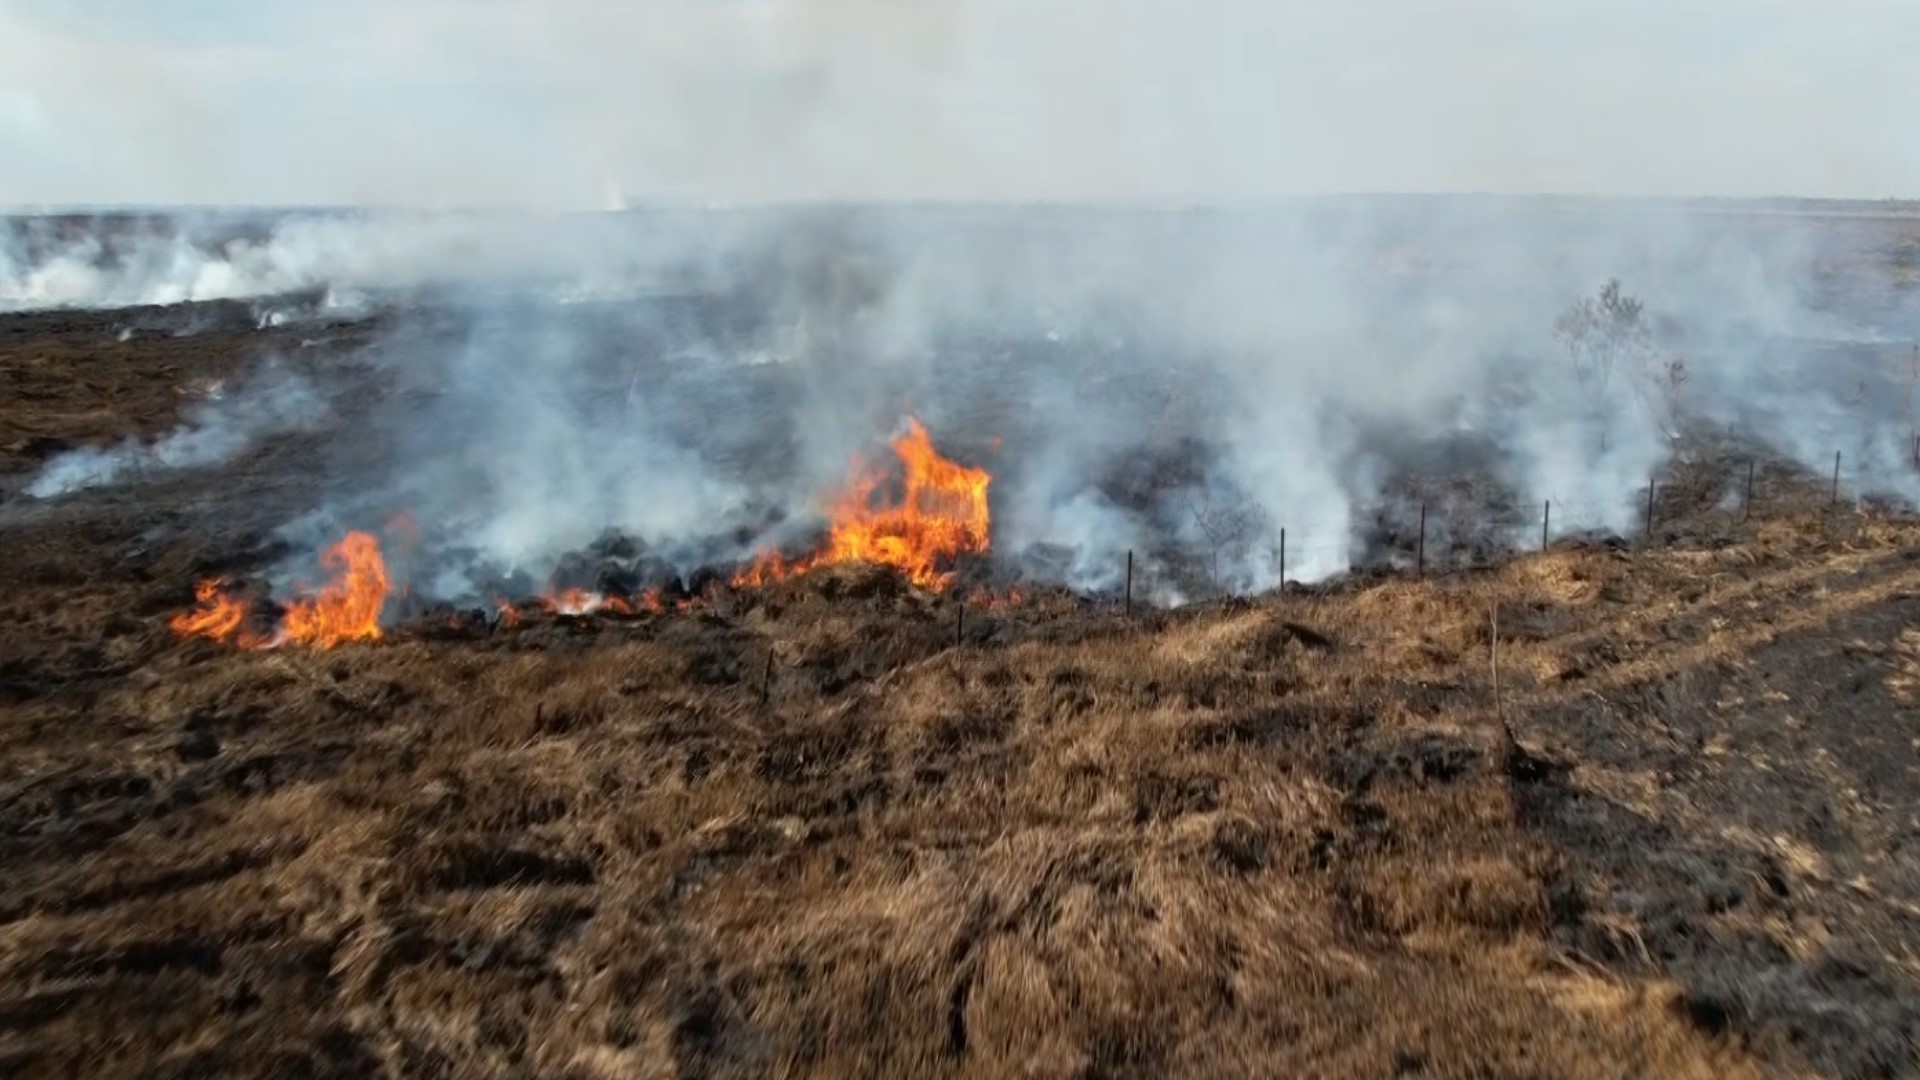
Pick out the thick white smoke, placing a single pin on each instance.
(539, 102)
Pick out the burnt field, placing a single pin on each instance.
(1634, 805)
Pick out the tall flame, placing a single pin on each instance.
(942, 514)
(345, 609)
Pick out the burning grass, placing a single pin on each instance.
(348, 608)
(1185, 843)
(941, 516)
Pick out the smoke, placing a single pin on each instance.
(1176, 379)
(138, 259)
(272, 402)
(1175, 387)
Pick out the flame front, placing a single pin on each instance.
(942, 514)
(573, 602)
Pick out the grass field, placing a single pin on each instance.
(1665, 828)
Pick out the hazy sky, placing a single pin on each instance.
(551, 102)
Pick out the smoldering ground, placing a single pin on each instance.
(224, 422)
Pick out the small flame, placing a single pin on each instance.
(942, 514)
(769, 567)
(987, 600)
(584, 602)
(218, 617)
(573, 602)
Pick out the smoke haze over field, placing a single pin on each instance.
(1182, 382)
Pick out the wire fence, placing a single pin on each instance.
(1424, 534)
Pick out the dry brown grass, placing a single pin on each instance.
(1180, 845)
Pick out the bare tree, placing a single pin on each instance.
(1226, 526)
(1603, 333)
(1608, 334)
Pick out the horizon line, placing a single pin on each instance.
(1142, 203)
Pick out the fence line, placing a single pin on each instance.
(1544, 511)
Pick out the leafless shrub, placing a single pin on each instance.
(1604, 333)
(1610, 334)
(1230, 525)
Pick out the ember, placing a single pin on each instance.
(987, 600)
(509, 615)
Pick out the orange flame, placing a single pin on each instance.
(582, 602)
(218, 617)
(987, 600)
(573, 602)
(347, 608)
(942, 514)
(509, 615)
(769, 567)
